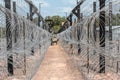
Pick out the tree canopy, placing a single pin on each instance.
(57, 21)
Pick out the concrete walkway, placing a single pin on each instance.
(56, 66)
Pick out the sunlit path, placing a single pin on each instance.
(57, 66)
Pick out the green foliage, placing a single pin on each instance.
(55, 28)
(57, 20)
(116, 20)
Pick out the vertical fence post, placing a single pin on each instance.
(39, 20)
(24, 29)
(110, 28)
(88, 35)
(71, 20)
(14, 10)
(94, 10)
(94, 28)
(81, 16)
(31, 16)
(78, 13)
(102, 36)
(79, 33)
(110, 21)
(16, 27)
(14, 6)
(9, 39)
(94, 6)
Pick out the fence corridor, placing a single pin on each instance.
(57, 65)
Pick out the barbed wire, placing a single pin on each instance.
(25, 35)
(79, 42)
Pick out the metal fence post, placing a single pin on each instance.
(39, 20)
(94, 10)
(16, 31)
(24, 29)
(31, 14)
(9, 39)
(102, 36)
(31, 18)
(110, 21)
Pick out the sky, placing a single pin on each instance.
(58, 7)
(48, 7)
(55, 7)
(51, 7)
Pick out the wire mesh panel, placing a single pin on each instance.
(83, 43)
(29, 44)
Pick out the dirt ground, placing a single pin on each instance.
(56, 66)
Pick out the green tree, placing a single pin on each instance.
(57, 20)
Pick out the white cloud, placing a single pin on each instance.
(44, 4)
(67, 9)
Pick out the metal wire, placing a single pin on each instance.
(84, 50)
(25, 36)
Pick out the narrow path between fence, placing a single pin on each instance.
(57, 66)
